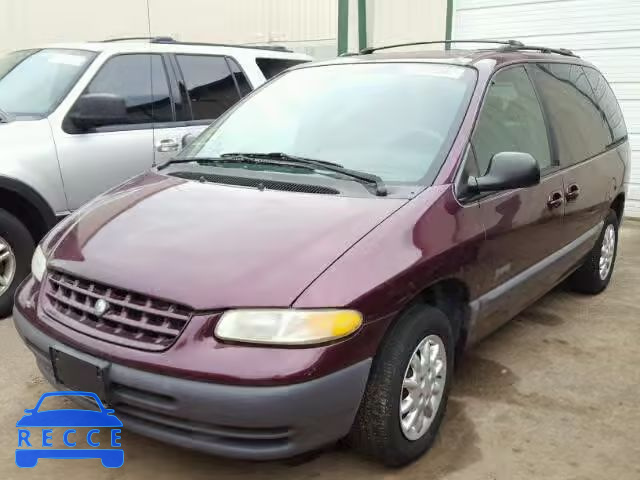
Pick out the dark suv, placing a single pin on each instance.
(312, 265)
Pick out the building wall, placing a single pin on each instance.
(404, 21)
(309, 26)
(302, 24)
(28, 23)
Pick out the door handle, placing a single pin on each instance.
(572, 192)
(168, 145)
(556, 199)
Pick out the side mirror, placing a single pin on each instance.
(508, 171)
(187, 139)
(98, 110)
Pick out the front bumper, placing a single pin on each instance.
(256, 423)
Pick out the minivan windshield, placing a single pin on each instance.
(34, 82)
(393, 120)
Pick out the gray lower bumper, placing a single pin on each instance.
(257, 423)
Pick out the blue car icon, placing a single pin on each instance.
(67, 419)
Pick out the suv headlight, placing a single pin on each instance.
(287, 327)
(38, 264)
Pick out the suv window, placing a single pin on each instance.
(578, 126)
(608, 104)
(210, 85)
(241, 78)
(271, 67)
(511, 120)
(141, 80)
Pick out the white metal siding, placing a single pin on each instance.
(304, 25)
(404, 21)
(605, 32)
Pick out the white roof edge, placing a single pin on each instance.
(140, 46)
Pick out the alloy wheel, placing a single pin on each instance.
(7, 265)
(423, 387)
(607, 251)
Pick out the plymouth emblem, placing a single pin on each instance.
(101, 307)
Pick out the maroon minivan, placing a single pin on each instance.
(312, 265)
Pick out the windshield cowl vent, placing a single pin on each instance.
(259, 183)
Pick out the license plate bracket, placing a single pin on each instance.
(80, 373)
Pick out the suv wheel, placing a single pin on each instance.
(408, 387)
(16, 248)
(595, 273)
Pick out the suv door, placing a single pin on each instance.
(522, 226)
(587, 126)
(93, 161)
(206, 88)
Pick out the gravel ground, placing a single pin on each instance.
(552, 395)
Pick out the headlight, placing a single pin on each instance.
(287, 327)
(38, 264)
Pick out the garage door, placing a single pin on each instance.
(605, 32)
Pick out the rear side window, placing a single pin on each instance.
(241, 78)
(141, 80)
(210, 85)
(511, 120)
(271, 67)
(608, 104)
(577, 124)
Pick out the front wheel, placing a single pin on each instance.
(16, 249)
(594, 274)
(408, 388)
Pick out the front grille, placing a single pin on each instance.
(131, 319)
(257, 183)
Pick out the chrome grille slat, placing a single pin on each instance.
(122, 303)
(133, 320)
(116, 318)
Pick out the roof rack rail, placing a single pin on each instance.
(167, 39)
(274, 48)
(150, 39)
(510, 43)
(559, 51)
(507, 46)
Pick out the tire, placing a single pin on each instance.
(587, 279)
(20, 241)
(377, 432)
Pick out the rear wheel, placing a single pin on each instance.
(408, 388)
(16, 249)
(595, 273)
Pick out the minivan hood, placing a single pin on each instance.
(212, 246)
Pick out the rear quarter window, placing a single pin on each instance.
(578, 127)
(608, 104)
(210, 85)
(270, 67)
(240, 77)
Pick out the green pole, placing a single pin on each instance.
(449, 24)
(362, 24)
(343, 26)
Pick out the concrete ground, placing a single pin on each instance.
(552, 395)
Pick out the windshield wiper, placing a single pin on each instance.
(226, 158)
(280, 157)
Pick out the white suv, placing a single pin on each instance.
(77, 119)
